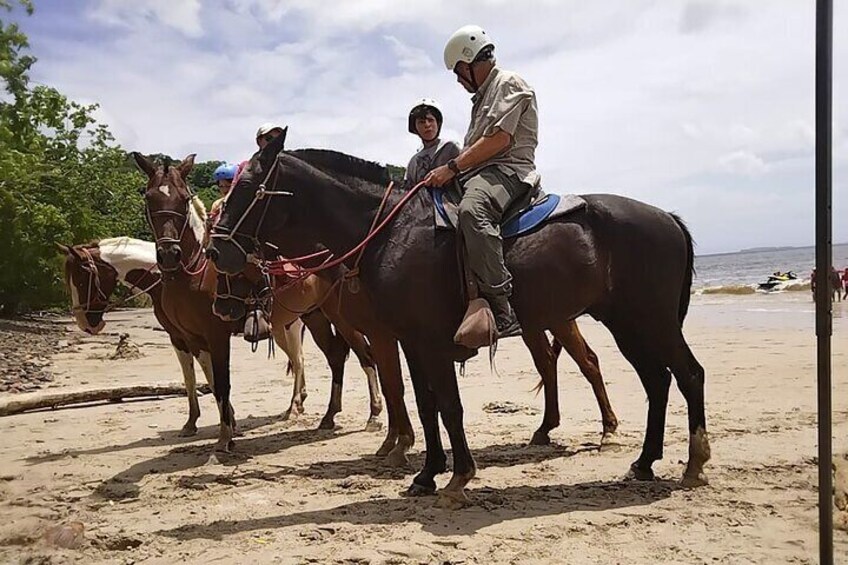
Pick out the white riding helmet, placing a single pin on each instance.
(465, 44)
(429, 103)
(268, 127)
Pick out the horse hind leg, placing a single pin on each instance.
(357, 343)
(400, 436)
(656, 380)
(335, 350)
(689, 375)
(290, 340)
(190, 379)
(568, 335)
(545, 360)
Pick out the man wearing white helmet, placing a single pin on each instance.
(425, 121)
(497, 165)
(267, 132)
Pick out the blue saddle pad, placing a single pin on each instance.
(519, 224)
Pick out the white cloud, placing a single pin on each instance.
(743, 162)
(698, 107)
(182, 15)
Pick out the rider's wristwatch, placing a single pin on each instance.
(453, 166)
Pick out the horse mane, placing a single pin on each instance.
(199, 207)
(343, 164)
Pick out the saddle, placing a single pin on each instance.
(478, 327)
(523, 216)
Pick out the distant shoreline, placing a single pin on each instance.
(763, 250)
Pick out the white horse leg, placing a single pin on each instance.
(190, 380)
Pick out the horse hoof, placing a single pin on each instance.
(386, 448)
(540, 438)
(397, 458)
(223, 449)
(373, 425)
(188, 431)
(694, 481)
(420, 490)
(452, 499)
(637, 474)
(609, 444)
(327, 424)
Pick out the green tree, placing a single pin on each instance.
(62, 179)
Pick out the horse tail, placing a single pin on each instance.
(685, 291)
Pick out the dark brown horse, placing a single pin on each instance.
(627, 264)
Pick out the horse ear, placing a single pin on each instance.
(274, 147)
(63, 248)
(69, 249)
(186, 165)
(282, 138)
(144, 164)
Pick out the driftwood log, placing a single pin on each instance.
(37, 401)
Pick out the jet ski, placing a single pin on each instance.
(777, 278)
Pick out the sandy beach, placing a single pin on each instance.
(292, 494)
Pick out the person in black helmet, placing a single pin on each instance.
(425, 121)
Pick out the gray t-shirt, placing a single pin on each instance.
(428, 159)
(504, 101)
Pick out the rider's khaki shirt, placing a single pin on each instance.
(504, 101)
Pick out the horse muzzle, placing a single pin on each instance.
(168, 257)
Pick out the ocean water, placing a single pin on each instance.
(739, 273)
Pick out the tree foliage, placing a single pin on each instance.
(62, 179)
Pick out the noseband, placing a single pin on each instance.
(198, 257)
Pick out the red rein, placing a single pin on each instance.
(294, 269)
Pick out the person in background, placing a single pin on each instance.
(845, 283)
(425, 121)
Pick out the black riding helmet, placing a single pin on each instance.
(421, 109)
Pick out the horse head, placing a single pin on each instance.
(91, 282)
(234, 235)
(176, 223)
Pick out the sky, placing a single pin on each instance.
(701, 107)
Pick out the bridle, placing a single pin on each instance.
(89, 307)
(230, 235)
(197, 263)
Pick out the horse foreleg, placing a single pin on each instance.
(189, 378)
(290, 340)
(545, 361)
(568, 335)
(220, 362)
(205, 361)
(435, 460)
